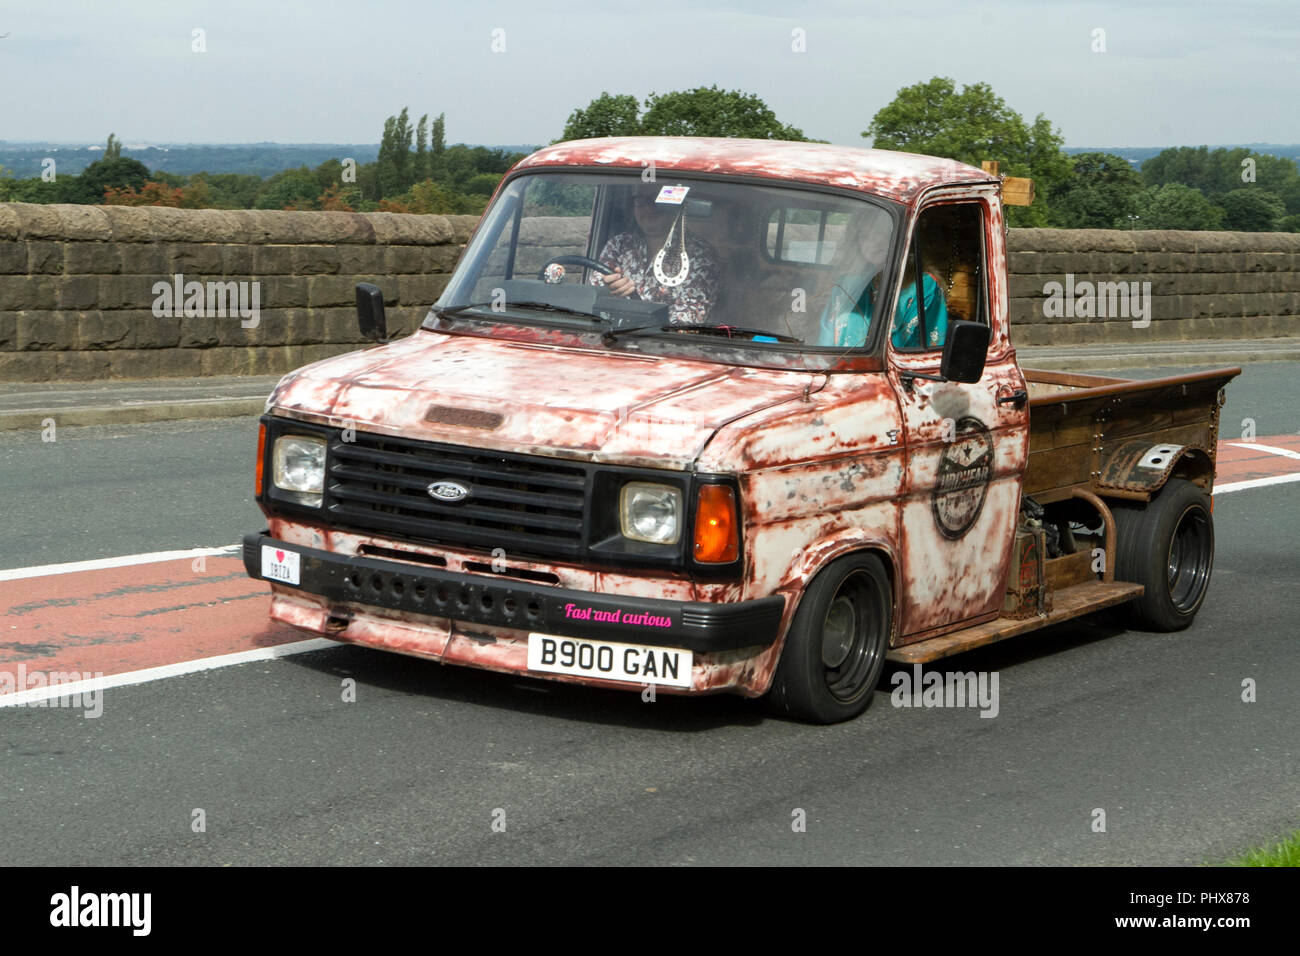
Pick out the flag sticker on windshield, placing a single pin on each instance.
(673, 194)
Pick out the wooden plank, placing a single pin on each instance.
(1068, 570)
(1017, 191)
(1067, 603)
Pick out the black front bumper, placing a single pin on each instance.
(478, 599)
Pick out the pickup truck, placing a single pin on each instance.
(678, 422)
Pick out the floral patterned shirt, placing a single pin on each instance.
(689, 303)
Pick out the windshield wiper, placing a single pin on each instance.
(544, 306)
(612, 335)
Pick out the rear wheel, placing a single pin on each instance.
(1167, 546)
(836, 647)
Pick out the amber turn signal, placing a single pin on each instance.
(261, 457)
(717, 531)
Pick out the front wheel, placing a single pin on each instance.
(836, 647)
(1167, 546)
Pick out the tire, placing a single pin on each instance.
(1167, 546)
(835, 651)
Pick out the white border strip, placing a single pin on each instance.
(119, 562)
(1255, 483)
(21, 697)
(1271, 449)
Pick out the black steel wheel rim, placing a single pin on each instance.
(851, 631)
(1191, 552)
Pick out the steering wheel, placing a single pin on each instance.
(569, 260)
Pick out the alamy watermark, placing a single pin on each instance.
(1098, 300)
(37, 688)
(212, 299)
(948, 690)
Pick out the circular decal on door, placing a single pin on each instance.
(962, 482)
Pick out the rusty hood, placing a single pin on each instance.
(543, 399)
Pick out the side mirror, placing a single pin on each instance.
(965, 351)
(370, 312)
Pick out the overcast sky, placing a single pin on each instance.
(1174, 72)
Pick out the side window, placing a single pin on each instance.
(555, 220)
(953, 285)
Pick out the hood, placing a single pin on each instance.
(535, 399)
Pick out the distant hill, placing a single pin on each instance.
(1137, 155)
(23, 160)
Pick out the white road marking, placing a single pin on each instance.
(1255, 483)
(1271, 449)
(96, 684)
(119, 562)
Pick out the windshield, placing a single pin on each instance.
(765, 267)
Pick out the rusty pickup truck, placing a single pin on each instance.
(704, 415)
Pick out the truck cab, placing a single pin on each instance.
(723, 415)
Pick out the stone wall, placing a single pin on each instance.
(1203, 285)
(77, 285)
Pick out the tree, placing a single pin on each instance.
(1101, 193)
(114, 148)
(1251, 209)
(1216, 172)
(105, 174)
(972, 126)
(394, 160)
(606, 115)
(296, 188)
(1175, 206)
(713, 112)
(421, 167)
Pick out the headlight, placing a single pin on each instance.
(298, 467)
(650, 512)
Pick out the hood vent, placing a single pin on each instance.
(462, 417)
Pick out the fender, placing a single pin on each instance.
(817, 556)
(1138, 468)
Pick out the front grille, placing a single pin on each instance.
(524, 504)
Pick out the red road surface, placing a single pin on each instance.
(117, 620)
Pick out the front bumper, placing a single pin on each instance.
(411, 590)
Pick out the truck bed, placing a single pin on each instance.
(1083, 429)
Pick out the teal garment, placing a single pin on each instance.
(844, 322)
(907, 330)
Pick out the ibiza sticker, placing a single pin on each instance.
(962, 482)
(675, 195)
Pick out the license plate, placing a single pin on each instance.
(633, 663)
(280, 565)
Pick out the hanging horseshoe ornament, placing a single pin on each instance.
(683, 262)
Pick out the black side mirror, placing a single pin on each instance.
(965, 351)
(370, 312)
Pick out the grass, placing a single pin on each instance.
(1285, 853)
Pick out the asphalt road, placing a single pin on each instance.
(1149, 728)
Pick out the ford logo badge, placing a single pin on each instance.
(448, 491)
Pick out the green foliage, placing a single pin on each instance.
(1251, 209)
(1175, 206)
(293, 187)
(713, 112)
(483, 184)
(1100, 193)
(703, 111)
(105, 174)
(1288, 224)
(1216, 172)
(114, 148)
(972, 126)
(606, 115)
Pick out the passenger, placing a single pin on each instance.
(648, 261)
(848, 312)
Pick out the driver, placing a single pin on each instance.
(649, 260)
